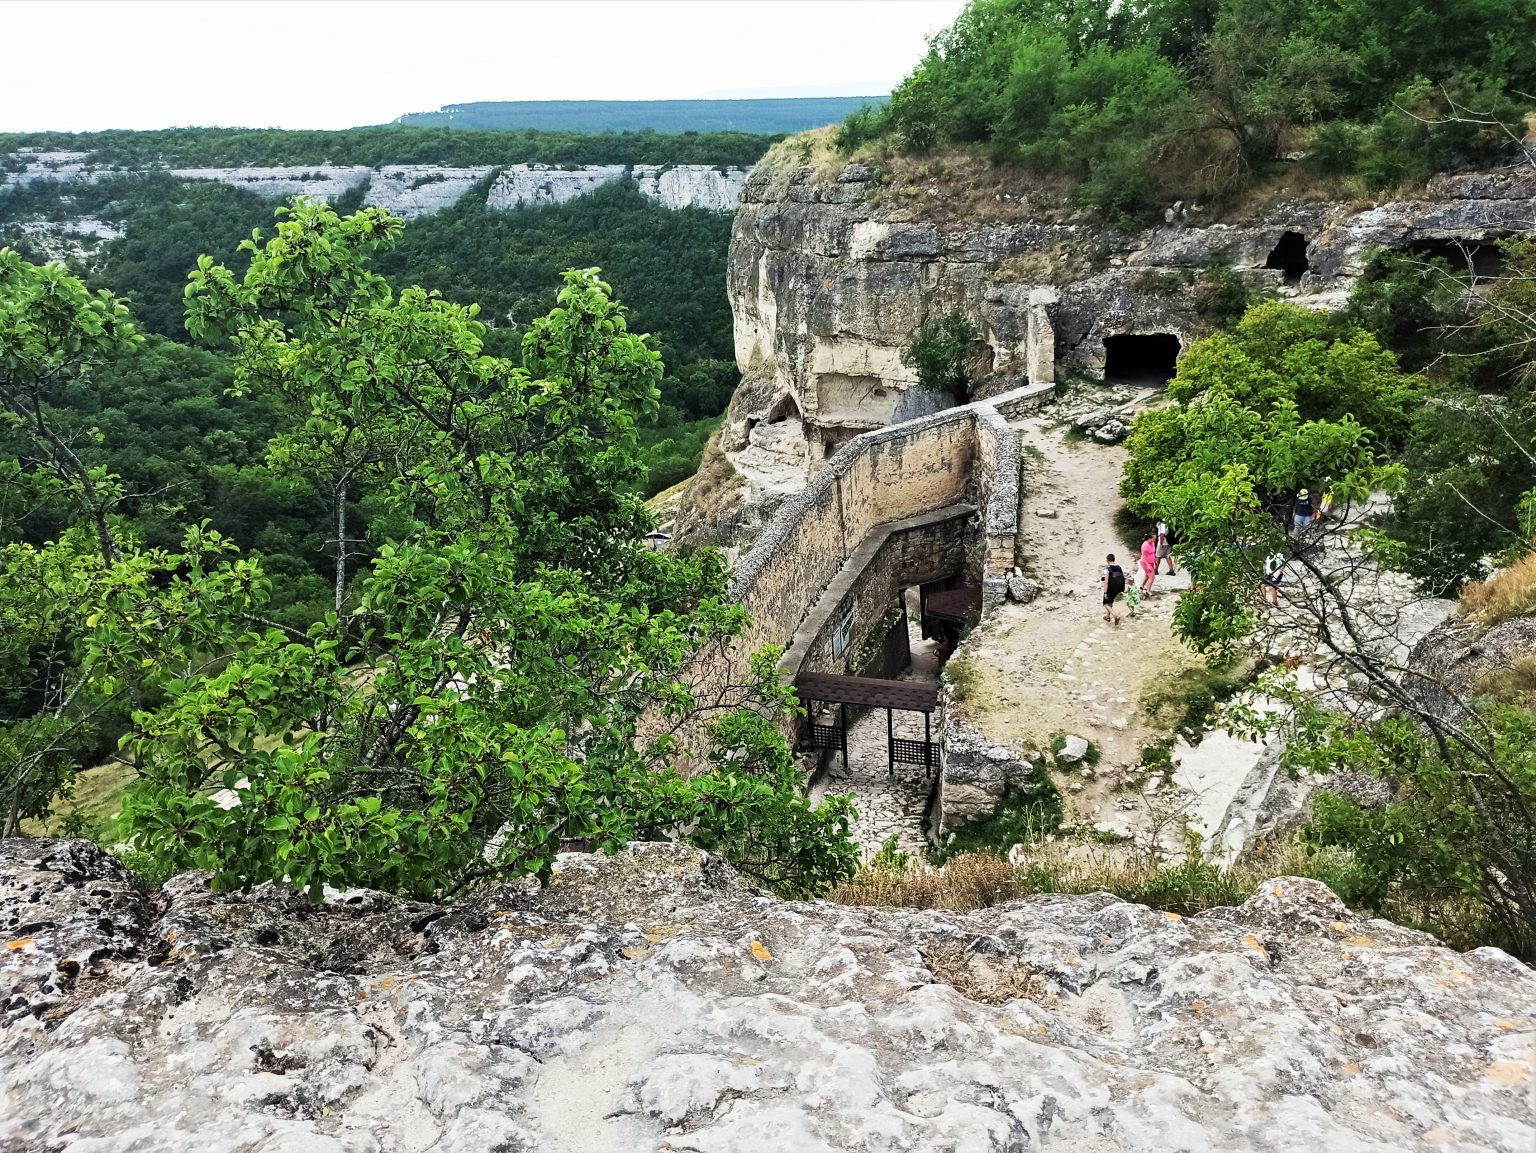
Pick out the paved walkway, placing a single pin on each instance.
(887, 805)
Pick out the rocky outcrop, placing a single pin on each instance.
(831, 272)
(1455, 660)
(410, 190)
(651, 1000)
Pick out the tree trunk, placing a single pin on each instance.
(341, 546)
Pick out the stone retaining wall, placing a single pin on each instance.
(964, 455)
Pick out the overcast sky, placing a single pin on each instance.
(79, 65)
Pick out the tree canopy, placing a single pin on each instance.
(476, 702)
(1179, 97)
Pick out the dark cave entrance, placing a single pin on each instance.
(1290, 257)
(1482, 258)
(1149, 359)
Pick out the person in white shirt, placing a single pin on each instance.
(1164, 548)
(1274, 569)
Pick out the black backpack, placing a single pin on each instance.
(1116, 580)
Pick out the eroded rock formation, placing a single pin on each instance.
(830, 275)
(410, 190)
(653, 1001)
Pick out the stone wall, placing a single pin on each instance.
(964, 455)
(927, 551)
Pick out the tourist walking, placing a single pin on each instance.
(1148, 565)
(1114, 585)
(1165, 548)
(1303, 513)
(1274, 569)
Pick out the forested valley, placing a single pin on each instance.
(188, 448)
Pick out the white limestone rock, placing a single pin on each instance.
(691, 185)
(652, 999)
(1073, 751)
(316, 181)
(411, 190)
(520, 185)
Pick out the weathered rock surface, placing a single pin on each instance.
(411, 190)
(652, 1001)
(1452, 661)
(830, 276)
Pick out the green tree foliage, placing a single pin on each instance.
(1469, 452)
(943, 353)
(1288, 400)
(1176, 97)
(1291, 399)
(1463, 818)
(165, 224)
(480, 703)
(668, 263)
(55, 333)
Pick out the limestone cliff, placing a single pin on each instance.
(652, 1001)
(417, 189)
(832, 267)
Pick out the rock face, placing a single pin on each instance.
(652, 1001)
(830, 275)
(418, 189)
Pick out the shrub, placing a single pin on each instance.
(1335, 148)
(863, 124)
(1222, 296)
(962, 678)
(943, 353)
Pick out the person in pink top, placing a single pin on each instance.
(1148, 565)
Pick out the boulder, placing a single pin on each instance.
(1111, 432)
(1022, 589)
(1092, 419)
(1073, 751)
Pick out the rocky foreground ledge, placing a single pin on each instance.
(653, 1001)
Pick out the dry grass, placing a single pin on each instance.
(816, 149)
(715, 487)
(968, 881)
(1508, 593)
(980, 880)
(97, 797)
(984, 977)
(1514, 684)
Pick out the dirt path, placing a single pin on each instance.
(1053, 666)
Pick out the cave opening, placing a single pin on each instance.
(1290, 257)
(1143, 359)
(1483, 258)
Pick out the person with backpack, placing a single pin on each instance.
(1274, 569)
(1114, 585)
(1303, 512)
(1165, 548)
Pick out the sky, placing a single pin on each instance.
(83, 65)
